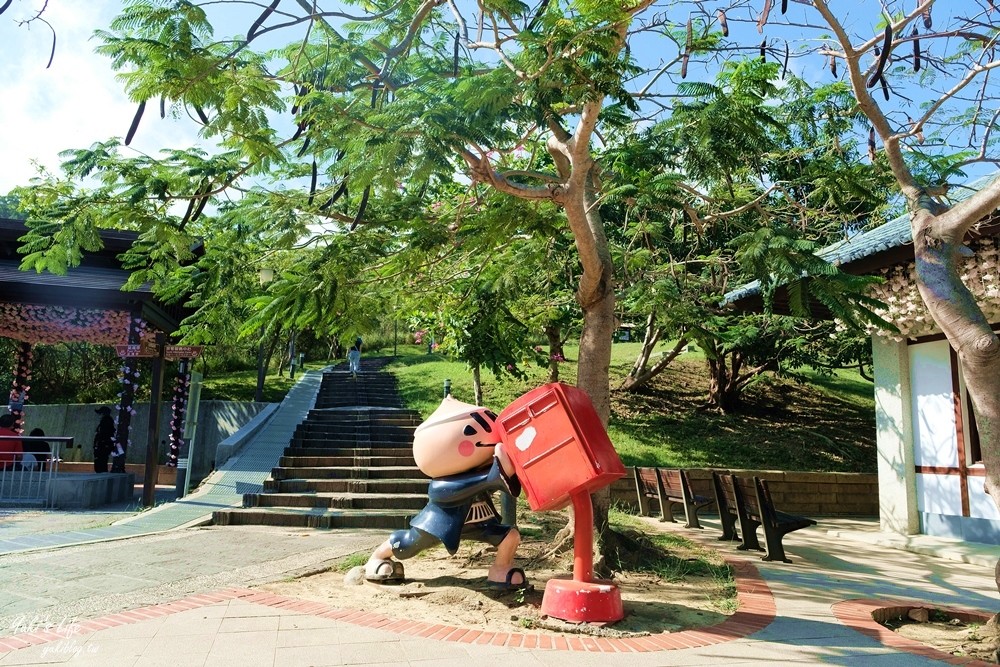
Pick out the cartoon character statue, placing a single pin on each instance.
(458, 447)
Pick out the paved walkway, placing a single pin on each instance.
(809, 612)
(132, 595)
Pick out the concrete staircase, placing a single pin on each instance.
(349, 463)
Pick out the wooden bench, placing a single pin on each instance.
(668, 486)
(755, 508)
(725, 500)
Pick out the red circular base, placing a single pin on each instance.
(582, 601)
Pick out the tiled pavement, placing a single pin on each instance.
(816, 610)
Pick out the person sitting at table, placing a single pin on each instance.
(36, 452)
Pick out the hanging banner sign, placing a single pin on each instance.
(172, 352)
(132, 351)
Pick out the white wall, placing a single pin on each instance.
(940, 494)
(894, 433)
(932, 405)
(936, 445)
(981, 506)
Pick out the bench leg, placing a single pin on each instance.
(691, 514)
(728, 527)
(749, 529)
(641, 493)
(665, 513)
(775, 550)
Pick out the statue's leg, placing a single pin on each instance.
(503, 572)
(402, 544)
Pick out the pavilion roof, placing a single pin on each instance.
(93, 286)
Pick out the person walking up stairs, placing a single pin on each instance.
(354, 360)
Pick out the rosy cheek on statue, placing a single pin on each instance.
(466, 448)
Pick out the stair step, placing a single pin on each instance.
(341, 501)
(321, 452)
(319, 442)
(346, 461)
(349, 440)
(314, 518)
(349, 463)
(354, 427)
(386, 486)
(341, 435)
(381, 417)
(344, 472)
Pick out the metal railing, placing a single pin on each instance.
(25, 476)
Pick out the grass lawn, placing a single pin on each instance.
(808, 422)
(241, 385)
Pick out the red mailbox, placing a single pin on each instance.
(561, 454)
(558, 445)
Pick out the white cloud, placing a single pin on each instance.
(72, 104)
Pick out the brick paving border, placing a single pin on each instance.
(756, 612)
(866, 616)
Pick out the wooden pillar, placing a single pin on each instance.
(153, 432)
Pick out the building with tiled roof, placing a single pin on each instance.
(931, 473)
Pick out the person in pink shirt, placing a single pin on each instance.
(10, 450)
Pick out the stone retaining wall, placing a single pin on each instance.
(804, 493)
(165, 475)
(89, 490)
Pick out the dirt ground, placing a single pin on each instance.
(452, 590)
(969, 640)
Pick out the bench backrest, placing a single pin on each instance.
(747, 490)
(646, 477)
(724, 491)
(764, 494)
(673, 482)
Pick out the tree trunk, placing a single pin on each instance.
(291, 354)
(643, 378)
(938, 236)
(937, 240)
(553, 333)
(649, 341)
(720, 383)
(996, 617)
(477, 385)
(578, 195)
(954, 309)
(596, 297)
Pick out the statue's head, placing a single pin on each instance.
(446, 442)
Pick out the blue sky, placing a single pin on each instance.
(73, 103)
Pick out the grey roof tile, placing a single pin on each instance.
(886, 236)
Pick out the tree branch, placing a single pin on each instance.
(891, 141)
(483, 171)
(938, 103)
(960, 217)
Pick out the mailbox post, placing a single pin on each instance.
(561, 453)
